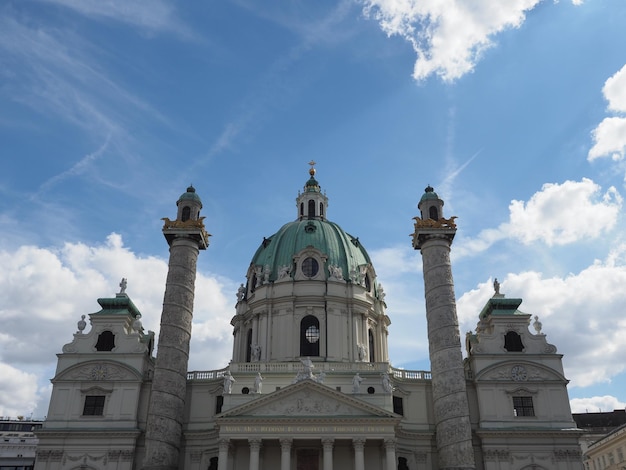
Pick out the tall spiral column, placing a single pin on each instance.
(186, 236)
(433, 237)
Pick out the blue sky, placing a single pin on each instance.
(515, 112)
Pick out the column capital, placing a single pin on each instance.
(328, 442)
(390, 442)
(224, 444)
(255, 443)
(358, 443)
(286, 442)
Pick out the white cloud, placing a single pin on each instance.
(449, 37)
(596, 404)
(45, 291)
(18, 396)
(581, 314)
(559, 214)
(610, 135)
(609, 138)
(615, 91)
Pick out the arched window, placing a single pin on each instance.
(301, 209)
(186, 213)
(309, 336)
(321, 209)
(371, 345)
(433, 213)
(106, 341)
(249, 346)
(513, 342)
(311, 208)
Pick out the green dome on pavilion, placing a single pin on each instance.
(189, 195)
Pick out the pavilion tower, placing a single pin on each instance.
(433, 237)
(186, 236)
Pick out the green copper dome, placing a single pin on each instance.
(429, 193)
(190, 195)
(342, 249)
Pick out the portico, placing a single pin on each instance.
(333, 431)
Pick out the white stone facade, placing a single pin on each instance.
(341, 406)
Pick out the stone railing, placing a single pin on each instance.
(295, 367)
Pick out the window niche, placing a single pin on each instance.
(310, 267)
(249, 346)
(370, 338)
(513, 342)
(106, 341)
(186, 215)
(309, 336)
(310, 264)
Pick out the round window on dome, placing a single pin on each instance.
(312, 334)
(310, 267)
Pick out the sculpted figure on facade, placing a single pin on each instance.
(255, 352)
(362, 353)
(241, 292)
(386, 382)
(284, 272)
(123, 285)
(228, 383)
(356, 383)
(258, 383)
(336, 272)
(307, 370)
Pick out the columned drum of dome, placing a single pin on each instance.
(311, 275)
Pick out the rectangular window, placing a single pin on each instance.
(94, 405)
(398, 405)
(219, 402)
(523, 406)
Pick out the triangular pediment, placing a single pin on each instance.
(307, 399)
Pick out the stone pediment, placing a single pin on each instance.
(520, 372)
(308, 399)
(99, 371)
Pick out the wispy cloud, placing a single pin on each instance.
(271, 91)
(78, 168)
(159, 16)
(51, 77)
(449, 37)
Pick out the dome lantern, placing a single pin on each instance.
(312, 203)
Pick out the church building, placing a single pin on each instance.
(310, 385)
